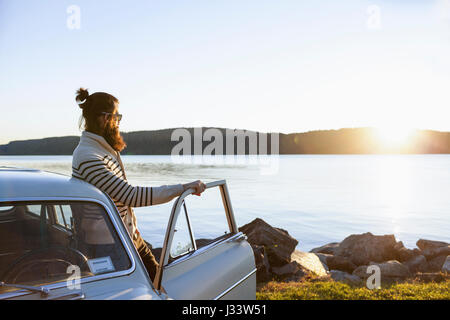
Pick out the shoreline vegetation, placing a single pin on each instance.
(360, 267)
(331, 290)
(158, 142)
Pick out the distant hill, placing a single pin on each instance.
(158, 142)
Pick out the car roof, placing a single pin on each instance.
(25, 183)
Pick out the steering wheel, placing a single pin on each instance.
(42, 263)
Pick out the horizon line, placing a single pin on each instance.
(184, 127)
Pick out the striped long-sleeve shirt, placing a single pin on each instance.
(96, 162)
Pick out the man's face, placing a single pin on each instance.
(112, 134)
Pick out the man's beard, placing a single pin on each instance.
(113, 137)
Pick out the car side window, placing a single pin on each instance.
(64, 216)
(59, 216)
(202, 220)
(40, 241)
(208, 217)
(182, 240)
(5, 212)
(34, 209)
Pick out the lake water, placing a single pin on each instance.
(316, 198)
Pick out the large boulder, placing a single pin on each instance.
(404, 254)
(323, 258)
(360, 249)
(291, 272)
(300, 275)
(435, 252)
(329, 248)
(417, 264)
(424, 244)
(436, 264)
(432, 248)
(446, 266)
(388, 270)
(340, 263)
(287, 269)
(309, 261)
(278, 244)
(341, 276)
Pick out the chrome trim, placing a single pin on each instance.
(164, 257)
(77, 295)
(5, 221)
(44, 291)
(235, 285)
(63, 284)
(241, 238)
(228, 208)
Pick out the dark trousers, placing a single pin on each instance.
(147, 256)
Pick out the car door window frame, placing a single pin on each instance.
(115, 225)
(176, 209)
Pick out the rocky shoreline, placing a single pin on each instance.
(347, 261)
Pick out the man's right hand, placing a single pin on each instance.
(198, 185)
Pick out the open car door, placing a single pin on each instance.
(219, 268)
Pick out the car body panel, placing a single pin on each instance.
(208, 275)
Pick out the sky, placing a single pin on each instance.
(271, 66)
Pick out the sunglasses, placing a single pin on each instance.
(117, 116)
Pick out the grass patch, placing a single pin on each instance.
(331, 290)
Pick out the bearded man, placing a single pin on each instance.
(97, 160)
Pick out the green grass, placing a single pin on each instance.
(330, 290)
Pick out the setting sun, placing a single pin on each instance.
(395, 135)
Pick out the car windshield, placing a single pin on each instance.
(48, 242)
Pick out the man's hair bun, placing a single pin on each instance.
(82, 95)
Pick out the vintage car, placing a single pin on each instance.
(62, 238)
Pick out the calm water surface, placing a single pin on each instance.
(316, 198)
